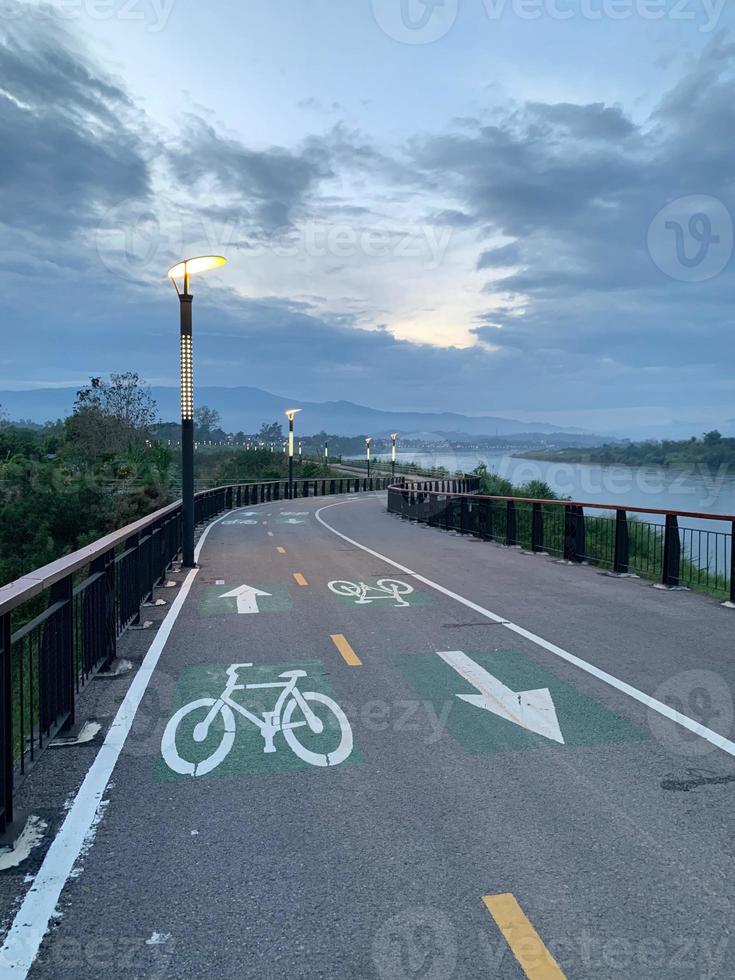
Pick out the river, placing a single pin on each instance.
(645, 486)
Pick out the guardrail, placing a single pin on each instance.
(70, 614)
(614, 537)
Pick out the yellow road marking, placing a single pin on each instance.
(280, 550)
(526, 944)
(349, 655)
(300, 580)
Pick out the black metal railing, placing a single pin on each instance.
(677, 548)
(60, 624)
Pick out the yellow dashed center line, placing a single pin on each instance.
(348, 654)
(526, 944)
(281, 551)
(300, 580)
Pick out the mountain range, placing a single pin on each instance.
(245, 409)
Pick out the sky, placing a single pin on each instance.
(510, 207)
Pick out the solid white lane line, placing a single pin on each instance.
(32, 919)
(719, 741)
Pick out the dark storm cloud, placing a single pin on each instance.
(275, 182)
(70, 140)
(577, 187)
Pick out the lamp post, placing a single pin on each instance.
(184, 270)
(393, 439)
(291, 414)
(368, 442)
(326, 453)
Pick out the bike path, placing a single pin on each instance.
(268, 866)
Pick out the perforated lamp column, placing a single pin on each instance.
(393, 440)
(291, 414)
(368, 443)
(183, 271)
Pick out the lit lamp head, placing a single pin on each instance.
(291, 414)
(192, 267)
(184, 270)
(368, 443)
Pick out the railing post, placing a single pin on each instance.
(574, 533)
(6, 725)
(105, 565)
(239, 496)
(463, 515)
(63, 592)
(537, 528)
(672, 551)
(622, 546)
(732, 562)
(511, 524)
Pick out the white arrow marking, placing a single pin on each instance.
(247, 598)
(292, 520)
(532, 710)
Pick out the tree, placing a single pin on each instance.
(111, 416)
(712, 438)
(270, 433)
(206, 419)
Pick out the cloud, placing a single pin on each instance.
(275, 182)
(71, 138)
(547, 266)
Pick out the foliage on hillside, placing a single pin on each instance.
(711, 451)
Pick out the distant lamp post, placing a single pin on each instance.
(184, 270)
(393, 440)
(291, 414)
(326, 452)
(368, 443)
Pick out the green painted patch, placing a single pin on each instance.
(246, 756)
(583, 721)
(211, 602)
(379, 593)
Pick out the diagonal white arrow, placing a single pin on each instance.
(532, 710)
(247, 598)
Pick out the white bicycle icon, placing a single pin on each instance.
(278, 720)
(384, 588)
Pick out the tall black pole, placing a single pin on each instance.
(290, 457)
(187, 429)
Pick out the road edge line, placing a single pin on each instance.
(31, 922)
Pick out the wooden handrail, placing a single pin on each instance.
(573, 503)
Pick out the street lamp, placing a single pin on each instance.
(368, 442)
(291, 414)
(393, 438)
(184, 270)
(326, 452)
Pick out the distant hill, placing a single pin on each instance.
(245, 409)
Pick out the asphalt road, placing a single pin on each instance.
(419, 834)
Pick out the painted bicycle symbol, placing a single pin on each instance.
(291, 704)
(364, 595)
